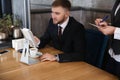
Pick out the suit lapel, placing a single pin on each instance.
(117, 15)
(113, 11)
(118, 12)
(115, 6)
(55, 31)
(66, 30)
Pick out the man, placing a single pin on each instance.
(113, 60)
(72, 39)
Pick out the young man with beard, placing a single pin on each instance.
(71, 40)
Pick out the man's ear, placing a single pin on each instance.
(67, 13)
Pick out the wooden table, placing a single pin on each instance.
(12, 69)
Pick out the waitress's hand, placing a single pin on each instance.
(100, 24)
(104, 27)
(107, 30)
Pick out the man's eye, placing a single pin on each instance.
(57, 13)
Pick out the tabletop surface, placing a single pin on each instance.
(12, 69)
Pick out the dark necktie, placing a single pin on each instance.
(59, 31)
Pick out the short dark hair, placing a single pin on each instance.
(64, 3)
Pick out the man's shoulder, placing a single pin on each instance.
(74, 22)
(72, 19)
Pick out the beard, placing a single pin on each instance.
(55, 21)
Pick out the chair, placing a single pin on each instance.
(96, 44)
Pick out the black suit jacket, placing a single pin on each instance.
(115, 20)
(112, 65)
(72, 41)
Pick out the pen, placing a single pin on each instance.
(105, 18)
(2, 52)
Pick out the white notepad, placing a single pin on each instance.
(93, 25)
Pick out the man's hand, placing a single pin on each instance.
(48, 57)
(36, 39)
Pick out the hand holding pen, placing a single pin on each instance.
(104, 19)
(104, 27)
(101, 22)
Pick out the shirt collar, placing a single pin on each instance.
(64, 24)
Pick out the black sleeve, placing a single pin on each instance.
(45, 39)
(65, 57)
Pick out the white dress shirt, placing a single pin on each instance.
(64, 24)
(111, 52)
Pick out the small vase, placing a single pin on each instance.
(17, 32)
(3, 36)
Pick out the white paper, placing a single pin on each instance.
(93, 25)
(29, 36)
